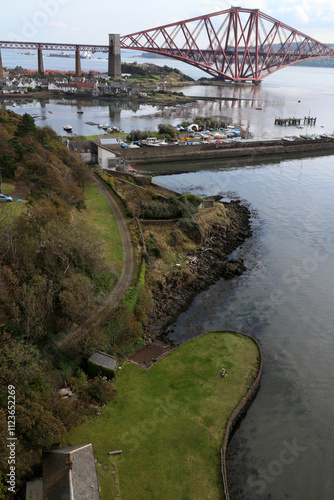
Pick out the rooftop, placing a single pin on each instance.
(105, 360)
(70, 473)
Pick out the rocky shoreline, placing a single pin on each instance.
(176, 291)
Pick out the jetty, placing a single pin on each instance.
(307, 120)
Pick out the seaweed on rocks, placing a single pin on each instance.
(176, 291)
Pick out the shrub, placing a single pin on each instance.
(169, 209)
(100, 390)
(193, 199)
(138, 135)
(191, 229)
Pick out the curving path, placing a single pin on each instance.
(115, 297)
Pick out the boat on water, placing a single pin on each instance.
(84, 55)
(68, 128)
(80, 112)
(59, 54)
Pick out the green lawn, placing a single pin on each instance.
(14, 208)
(169, 421)
(101, 221)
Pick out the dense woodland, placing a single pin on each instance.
(52, 276)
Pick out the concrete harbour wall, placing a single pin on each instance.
(229, 150)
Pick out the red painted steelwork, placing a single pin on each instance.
(240, 44)
(54, 46)
(235, 44)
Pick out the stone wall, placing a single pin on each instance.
(223, 150)
(238, 414)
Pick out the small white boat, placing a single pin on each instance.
(68, 128)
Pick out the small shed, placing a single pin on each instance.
(103, 363)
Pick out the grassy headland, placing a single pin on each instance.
(169, 421)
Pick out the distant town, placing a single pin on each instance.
(137, 79)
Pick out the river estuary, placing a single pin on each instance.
(283, 448)
(285, 299)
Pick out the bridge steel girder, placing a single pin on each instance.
(55, 46)
(236, 44)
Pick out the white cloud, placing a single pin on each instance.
(56, 24)
(301, 13)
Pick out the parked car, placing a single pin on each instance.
(4, 198)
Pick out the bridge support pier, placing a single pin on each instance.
(40, 61)
(77, 62)
(114, 57)
(1, 67)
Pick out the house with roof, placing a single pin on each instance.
(68, 473)
(85, 86)
(109, 153)
(63, 87)
(86, 149)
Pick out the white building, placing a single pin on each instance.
(108, 154)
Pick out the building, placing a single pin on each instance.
(63, 87)
(86, 149)
(104, 360)
(109, 153)
(68, 473)
(85, 87)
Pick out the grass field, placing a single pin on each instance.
(169, 421)
(99, 219)
(12, 208)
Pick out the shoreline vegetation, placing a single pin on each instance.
(180, 246)
(171, 420)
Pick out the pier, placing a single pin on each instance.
(307, 120)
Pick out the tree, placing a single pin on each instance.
(168, 131)
(26, 126)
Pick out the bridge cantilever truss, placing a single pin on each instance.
(235, 44)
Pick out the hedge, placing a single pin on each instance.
(134, 292)
(94, 370)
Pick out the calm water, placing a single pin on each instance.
(294, 91)
(284, 446)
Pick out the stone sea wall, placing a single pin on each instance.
(238, 149)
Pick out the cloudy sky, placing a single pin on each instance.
(87, 21)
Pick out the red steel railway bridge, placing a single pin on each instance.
(238, 45)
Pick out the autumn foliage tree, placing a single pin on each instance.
(53, 276)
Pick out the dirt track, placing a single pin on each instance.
(116, 295)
